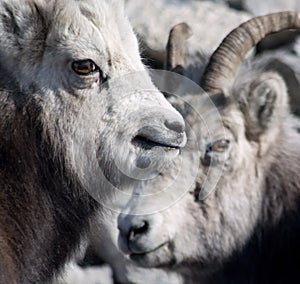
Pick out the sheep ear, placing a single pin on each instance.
(22, 30)
(264, 105)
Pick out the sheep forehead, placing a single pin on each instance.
(101, 13)
(87, 17)
(97, 28)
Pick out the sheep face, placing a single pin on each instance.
(67, 63)
(209, 228)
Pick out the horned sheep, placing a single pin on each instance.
(247, 229)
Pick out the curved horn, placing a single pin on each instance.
(175, 47)
(225, 61)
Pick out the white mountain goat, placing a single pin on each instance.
(66, 117)
(247, 230)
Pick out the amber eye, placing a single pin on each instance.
(84, 67)
(220, 146)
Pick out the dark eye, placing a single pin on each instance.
(220, 146)
(84, 67)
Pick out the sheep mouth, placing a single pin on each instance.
(148, 144)
(160, 257)
(137, 256)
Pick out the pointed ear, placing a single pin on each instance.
(264, 104)
(23, 31)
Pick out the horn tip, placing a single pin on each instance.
(184, 29)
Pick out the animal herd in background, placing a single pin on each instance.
(64, 105)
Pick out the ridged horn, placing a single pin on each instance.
(175, 51)
(226, 60)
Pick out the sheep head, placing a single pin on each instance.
(79, 114)
(238, 152)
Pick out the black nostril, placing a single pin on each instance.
(176, 126)
(138, 230)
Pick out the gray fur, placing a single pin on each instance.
(247, 229)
